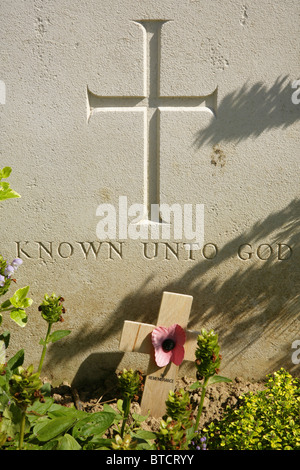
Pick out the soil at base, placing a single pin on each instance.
(218, 397)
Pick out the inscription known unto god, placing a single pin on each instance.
(118, 250)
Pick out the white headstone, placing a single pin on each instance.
(120, 117)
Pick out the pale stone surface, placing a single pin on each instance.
(242, 163)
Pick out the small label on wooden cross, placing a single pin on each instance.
(136, 337)
(160, 379)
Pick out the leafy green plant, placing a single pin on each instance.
(24, 387)
(177, 427)
(126, 430)
(171, 435)
(179, 408)
(266, 420)
(130, 384)
(18, 302)
(29, 417)
(51, 310)
(15, 305)
(208, 360)
(5, 190)
(134, 437)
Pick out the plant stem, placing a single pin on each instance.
(201, 402)
(8, 309)
(22, 429)
(126, 414)
(44, 348)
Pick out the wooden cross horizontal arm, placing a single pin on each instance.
(136, 337)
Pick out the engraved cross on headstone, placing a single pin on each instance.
(136, 337)
(151, 105)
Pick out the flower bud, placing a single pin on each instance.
(52, 308)
(25, 386)
(130, 383)
(207, 354)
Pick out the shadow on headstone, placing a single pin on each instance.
(261, 299)
(251, 110)
(97, 369)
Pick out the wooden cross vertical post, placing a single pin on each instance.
(136, 337)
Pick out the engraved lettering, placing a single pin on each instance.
(91, 247)
(20, 251)
(113, 249)
(170, 249)
(47, 250)
(210, 251)
(65, 250)
(155, 245)
(284, 251)
(264, 251)
(244, 255)
(189, 250)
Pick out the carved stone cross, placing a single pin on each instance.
(136, 337)
(151, 105)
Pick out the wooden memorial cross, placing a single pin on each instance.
(136, 337)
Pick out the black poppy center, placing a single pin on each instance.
(168, 344)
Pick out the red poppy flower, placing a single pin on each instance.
(168, 344)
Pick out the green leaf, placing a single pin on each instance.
(41, 408)
(6, 304)
(27, 302)
(139, 418)
(67, 442)
(10, 423)
(101, 442)
(217, 379)
(54, 427)
(19, 299)
(57, 335)
(143, 434)
(2, 384)
(195, 385)
(120, 405)
(94, 424)
(50, 445)
(109, 409)
(17, 360)
(46, 389)
(19, 316)
(6, 192)
(5, 172)
(58, 411)
(5, 336)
